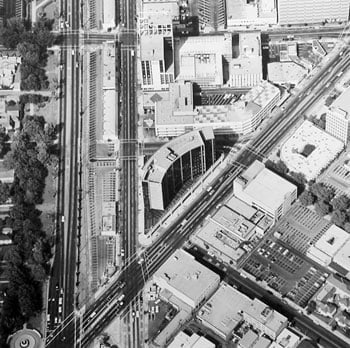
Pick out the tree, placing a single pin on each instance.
(12, 33)
(347, 227)
(339, 217)
(311, 307)
(4, 192)
(307, 198)
(341, 202)
(281, 167)
(322, 192)
(322, 208)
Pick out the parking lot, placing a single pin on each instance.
(301, 227)
(284, 271)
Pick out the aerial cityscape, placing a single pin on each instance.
(174, 173)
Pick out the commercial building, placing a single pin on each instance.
(341, 260)
(226, 231)
(187, 279)
(251, 13)
(328, 245)
(265, 190)
(201, 59)
(286, 339)
(309, 150)
(264, 318)
(220, 317)
(180, 160)
(246, 69)
(194, 341)
(312, 11)
(212, 14)
(242, 117)
(157, 43)
(338, 117)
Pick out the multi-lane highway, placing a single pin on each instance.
(128, 216)
(63, 277)
(177, 233)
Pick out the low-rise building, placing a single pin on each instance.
(220, 317)
(324, 250)
(341, 260)
(286, 339)
(194, 341)
(257, 187)
(187, 279)
(264, 318)
(309, 150)
(224, 234)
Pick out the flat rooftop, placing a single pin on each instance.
(152, 47)
(263, 188)
(332, 240)
(285, 72)
(342, 257)
(194, 341)
(265, 315)
(217, 314)
(242, 110)
(342, 102)
(225, 242)
(233, 222)
(325, 149)
(241, 207)
(186, 275)
(159, 163)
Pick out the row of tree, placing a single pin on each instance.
(28, 258)
(32, 43)
(323, 197)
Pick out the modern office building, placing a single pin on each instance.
(187, 279)
(180, 160)
(338, 117)
(246, 70)
(156, 43)
(212, 14)
(312, 11)
(241, 117)
(265, 190)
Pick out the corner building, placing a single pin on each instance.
(182, 159)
